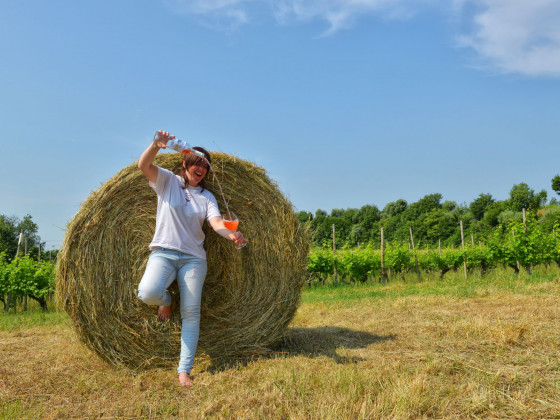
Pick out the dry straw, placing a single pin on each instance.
(249, 297)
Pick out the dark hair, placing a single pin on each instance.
(192, 159)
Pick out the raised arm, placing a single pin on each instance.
(145, 163)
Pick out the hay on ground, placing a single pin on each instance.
(249, 297)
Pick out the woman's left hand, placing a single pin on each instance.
(239, 239)
(217, 224)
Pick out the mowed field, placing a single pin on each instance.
(453, 348)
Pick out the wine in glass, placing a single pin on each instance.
(231, 222)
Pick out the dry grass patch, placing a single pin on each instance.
(401, 358)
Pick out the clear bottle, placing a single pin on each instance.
(182, 147)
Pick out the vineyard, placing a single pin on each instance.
(24, 277)
(520, 246)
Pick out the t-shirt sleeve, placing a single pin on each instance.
(162, 179)
(213, 209)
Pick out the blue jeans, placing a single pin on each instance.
(164, 266)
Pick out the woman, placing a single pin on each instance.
(177, 246)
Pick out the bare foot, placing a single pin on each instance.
(185, 379)
(164, 313)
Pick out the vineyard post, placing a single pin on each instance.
(38, 259)
(472, 239)
(20, 240)
(415, 257)
(516, 260)
(383, 273)
(334, 252)
(463, 247)
(439, 246)
(525, 230)
(25, 297)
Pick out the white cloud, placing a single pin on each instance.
(517, 36)
(513, 36)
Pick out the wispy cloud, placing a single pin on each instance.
(516, 36)
(512, 36)
(338, 14)
(342, 14)
(218, 14)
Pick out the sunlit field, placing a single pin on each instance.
(486, 347)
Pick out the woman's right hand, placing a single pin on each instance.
(145, 163)
(161, 138)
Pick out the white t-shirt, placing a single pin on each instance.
(181, 213)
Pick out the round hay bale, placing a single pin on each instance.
(249, 296)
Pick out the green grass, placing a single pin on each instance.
(16, 410)
(453, 284)
(33, 317)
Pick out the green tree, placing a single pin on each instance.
(350, 215)
(304, 216)
(439, 224)
(367, 218)
(492, 213)
(423, 206)
(358, 234)
(479, 205)
(415, 217)
(4, 280)
(522, 197)
(10, 229)
(322, 230)
(550, 218)
(30, 229)
(391, 227)
(337, 212)
(8, 236)
(449, 205)
(395, 207)
(556, 184)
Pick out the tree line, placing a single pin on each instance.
(12, 229)
(433, 222)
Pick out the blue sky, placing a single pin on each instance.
(344, 103)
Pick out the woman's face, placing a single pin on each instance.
(196, 173)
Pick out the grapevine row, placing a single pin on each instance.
(23, 277)
(519, 247)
